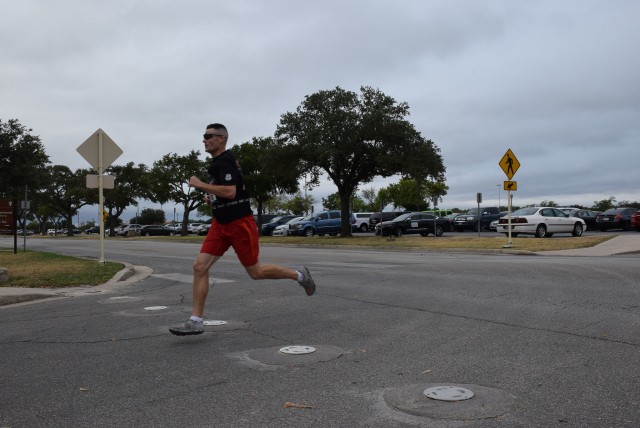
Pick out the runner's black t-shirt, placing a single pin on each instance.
(225, 170)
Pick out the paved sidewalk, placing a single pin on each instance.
(621, 244)
(15, 295)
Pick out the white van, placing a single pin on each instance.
(362, 221)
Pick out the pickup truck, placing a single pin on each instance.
(471, 219)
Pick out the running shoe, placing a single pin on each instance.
(188, 328)
(307, 282)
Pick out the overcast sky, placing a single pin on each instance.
(557, 82)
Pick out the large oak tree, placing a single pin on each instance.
(354, 138)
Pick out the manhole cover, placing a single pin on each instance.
(416, 400)
(448, 393)
(155, 308)
(297, 350)
(214, 322)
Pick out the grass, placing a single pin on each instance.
(444, 242)
(40, 269)
(34, 269)
(458, 242)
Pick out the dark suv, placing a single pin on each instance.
(322, 223)
(267, 228)
(471, 220)
(383, 216)
(415, 222)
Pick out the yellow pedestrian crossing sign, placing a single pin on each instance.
(509, 164)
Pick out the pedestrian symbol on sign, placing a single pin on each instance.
(509, 164)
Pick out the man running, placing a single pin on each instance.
(232, 226)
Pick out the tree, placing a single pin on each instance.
(268, 168)
(436, 190)
(22, 160)
(410, 194)
(354, 139)
(369, 198)
(151, 216)
(604, 204)
(332, 202)
(298, 204)
(168, 181)
(65, 193)
(130, 184)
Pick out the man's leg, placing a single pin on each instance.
(245, 242)
(195, 324)
(201, 268)
(269, 271)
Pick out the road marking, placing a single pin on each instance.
(181, 277)
(359, 265)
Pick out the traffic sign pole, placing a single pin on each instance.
(509, 164)
(100, 151)
(101, 198)
(509, 242)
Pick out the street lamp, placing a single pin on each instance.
(498, 196)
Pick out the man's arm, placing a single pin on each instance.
(227, 192)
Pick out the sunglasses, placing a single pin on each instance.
(208, 136)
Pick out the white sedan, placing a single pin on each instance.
(542, 222)
(283, 229)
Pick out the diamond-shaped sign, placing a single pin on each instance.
(509, 164)
(90, 150)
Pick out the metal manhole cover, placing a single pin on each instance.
(214, 322)
(448, 393)
(155, 308)
(297, 350)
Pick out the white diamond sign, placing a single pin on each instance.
(97, 142)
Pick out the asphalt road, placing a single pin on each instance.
(542, 341)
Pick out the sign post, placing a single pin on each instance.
(509, 164)
(100, 151)
(479, 201)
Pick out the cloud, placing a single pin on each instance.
(554, 81)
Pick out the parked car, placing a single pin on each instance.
(176, 227)
(130, 230)
(494, 224)
(204, 229)
(450, 218)
(322, 223)
(283, 229)
(476, 220)
(588, 216)
(267, 228)
(155, 230)
(66, 232)
(635, 221)
(414, 222)
(615, 218)
(362, 221)
(95, 229)
(542, 222)
(194, 227)
(379, 217)
(439, 213)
